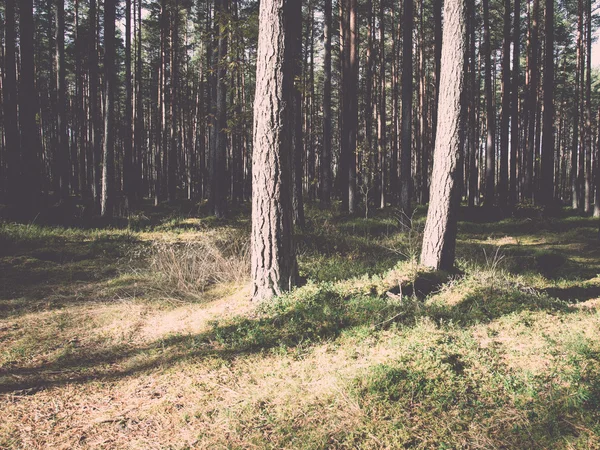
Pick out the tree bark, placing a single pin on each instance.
(407, 101)
(439, 239)
(274, 268)
(326, 156)
(490, 117)
(108, 151)
(547, 157)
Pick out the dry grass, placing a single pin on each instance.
(491, 359)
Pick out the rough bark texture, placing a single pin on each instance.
(439, 238)
(273, 258)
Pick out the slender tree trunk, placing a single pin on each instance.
(588, 111)
(108, 170)
(547, 157)
(490, 117)
(274, 267)
(62, 149)
(295, 31)
(381, 113)
(439, 239)
(407, 101)
(219, 179)
(503, 188)
(326, 156)
(128, 137)
(28, 110)
(514, 120)
(9, 103)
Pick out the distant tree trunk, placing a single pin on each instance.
(490, 117)
(473, 175)
(295, 32)
(371, 174)
(439, 239)
(62, 150)
(514, 123)
(172, 158)
(588, 111)
(407, 101)
(274, 267)
(128, 137)
(108, 175)
(139, 114)
(219, 176)
(381, 114)
(532, 104)
(349, 105)
(95, 132)
(326, 156)
(9, 103)
(503, 190)
(30, 185)
(547, 157)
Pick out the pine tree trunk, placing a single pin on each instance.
(326, 156)
(62, 148)
(514, 122)
(439, 239)
(407, 101)
(9, 103)
(274, 268)
(547, 157)
(108, 151)
(503, 189)
(490, 117)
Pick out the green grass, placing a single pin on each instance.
(102, 350)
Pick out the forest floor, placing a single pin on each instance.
(143, 337)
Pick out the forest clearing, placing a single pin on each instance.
(109, 341)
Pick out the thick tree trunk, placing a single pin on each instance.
(273, 258)
(439, 239)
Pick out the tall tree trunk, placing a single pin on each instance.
(490, 117)
(274, 267)
(503, 189)
(439, 239)
(532, 104)
(588, 111)
(326, 156)
(407, 101)
(547, 157)
(219, 178)
(62, 149)
(514, 122)
(173, 155)
(108, 169)
(473, 181)
(381, 113)
(9, 103)
(95, 132)
(128, 137)
(295, 31)
(28, 110)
